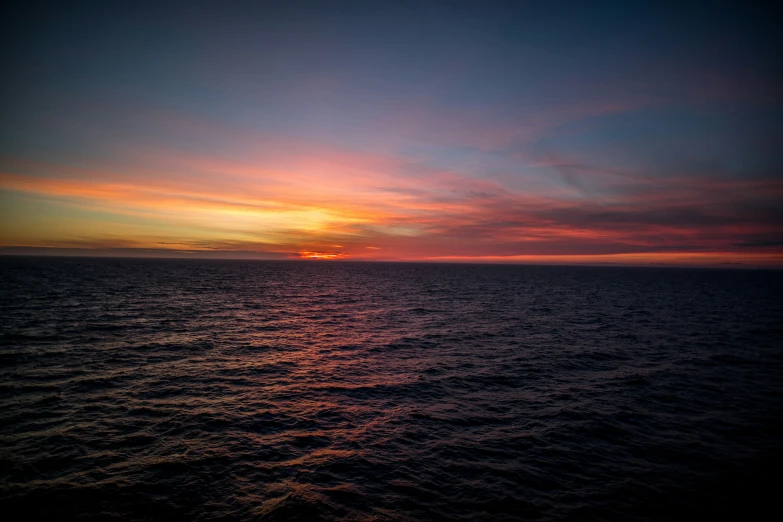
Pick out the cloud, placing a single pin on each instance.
(759, 243)
(279, 196)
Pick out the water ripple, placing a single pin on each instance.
(195, 390)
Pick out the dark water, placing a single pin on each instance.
(221, 390)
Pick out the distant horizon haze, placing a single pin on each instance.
(674, 260)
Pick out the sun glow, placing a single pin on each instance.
(320, 255)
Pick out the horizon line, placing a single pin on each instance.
(770, 262)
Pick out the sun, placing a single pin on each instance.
(320, 255)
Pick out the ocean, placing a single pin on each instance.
(150, 389)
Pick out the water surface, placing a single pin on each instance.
(228, 390)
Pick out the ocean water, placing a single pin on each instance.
(230, 390)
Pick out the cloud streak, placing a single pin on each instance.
(386, 207)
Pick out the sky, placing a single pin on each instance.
(543, 132)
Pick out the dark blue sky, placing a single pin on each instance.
(393, 129)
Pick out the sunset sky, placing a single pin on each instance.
(445, 131)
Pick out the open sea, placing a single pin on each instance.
(140, 389)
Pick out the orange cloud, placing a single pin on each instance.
(285, 196)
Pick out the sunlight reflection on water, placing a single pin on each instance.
(233, 390)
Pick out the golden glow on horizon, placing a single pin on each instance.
(645, 258)
(350, 203)
(321, 255)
